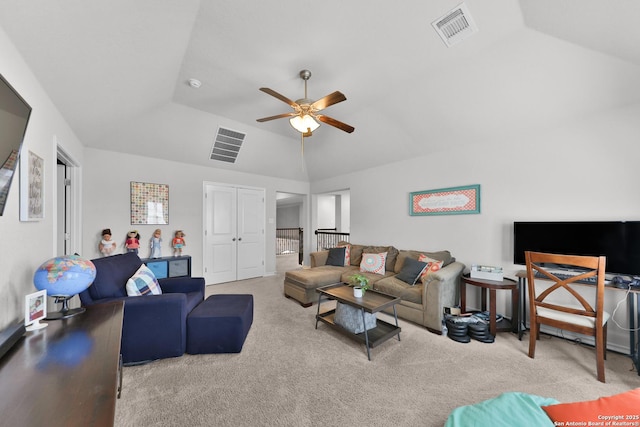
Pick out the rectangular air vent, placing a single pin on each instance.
(456, 25)
(227, 145)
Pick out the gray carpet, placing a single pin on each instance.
(289, 374)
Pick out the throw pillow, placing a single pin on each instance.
(507, 410)
(336, 257)
(621, 407)
(143, 282)
(433, 265)
(411, 271)
(392, 254)
(373, 263)
(347, 253)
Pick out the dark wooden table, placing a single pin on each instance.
(492, 286)
(370, 302)
(65, 374)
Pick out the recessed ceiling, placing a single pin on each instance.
(119, 73)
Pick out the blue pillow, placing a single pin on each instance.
(507, 410)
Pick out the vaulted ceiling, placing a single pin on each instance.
(118, 71)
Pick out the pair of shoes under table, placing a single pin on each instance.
(463, 329)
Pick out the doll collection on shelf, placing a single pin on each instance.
(108, 246)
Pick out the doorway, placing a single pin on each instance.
(290, 218)
(67, 196)
(331, 218)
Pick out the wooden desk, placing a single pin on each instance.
(65, 374)
(492, 286)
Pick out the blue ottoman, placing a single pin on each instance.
(219, 324)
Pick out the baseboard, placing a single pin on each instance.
(584, 339)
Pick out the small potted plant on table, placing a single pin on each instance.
(360, 284)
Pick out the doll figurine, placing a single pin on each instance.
(133, 241)
(107, 246)
(155, 244)
(178, 243)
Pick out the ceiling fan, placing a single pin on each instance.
(305, 117)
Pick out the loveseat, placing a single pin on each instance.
(421, 303)
(154, 326)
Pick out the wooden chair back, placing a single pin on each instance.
(566, 316)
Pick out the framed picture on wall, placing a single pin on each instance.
(446, 201)
(149, 203)
(31, 187)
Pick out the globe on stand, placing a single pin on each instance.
(63, 277)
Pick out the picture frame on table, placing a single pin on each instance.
(31, 187)
(35, 309)
(446, 201)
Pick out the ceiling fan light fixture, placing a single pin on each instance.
(304, 124)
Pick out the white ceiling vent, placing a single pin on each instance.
(456, 25)
(227, 145)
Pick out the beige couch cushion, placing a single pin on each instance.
(373, 278)
(444, 256)
(317, 276)
(356, 254)
(396, 287)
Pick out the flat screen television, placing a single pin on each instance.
(14, 117)
(619, 241)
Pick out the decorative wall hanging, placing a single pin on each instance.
(446, 201)
(31, 187)
(149, 203)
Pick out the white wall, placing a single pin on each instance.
(27, 244)
(582, 171)
(106, 194)
(345, 212)
(288, 216)
(326, 211)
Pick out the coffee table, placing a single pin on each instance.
(370, 302)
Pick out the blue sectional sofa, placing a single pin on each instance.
(154, 326)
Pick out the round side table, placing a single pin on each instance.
(492, 286)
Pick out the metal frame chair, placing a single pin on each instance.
(580, 318)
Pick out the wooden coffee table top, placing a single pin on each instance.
(371, 301)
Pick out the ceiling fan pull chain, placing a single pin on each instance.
(302, 152)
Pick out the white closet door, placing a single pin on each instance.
(234, 233)
(220, 234)
(250, 233)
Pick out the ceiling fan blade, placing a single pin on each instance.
(279, 116)
(332, 98)
(279, 96)
(335, 123)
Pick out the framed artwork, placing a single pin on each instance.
(31, 187)
(149, 203)
(35, 309)
(446, 201)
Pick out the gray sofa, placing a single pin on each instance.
(421, 303)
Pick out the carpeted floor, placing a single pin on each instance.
(290, 374)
